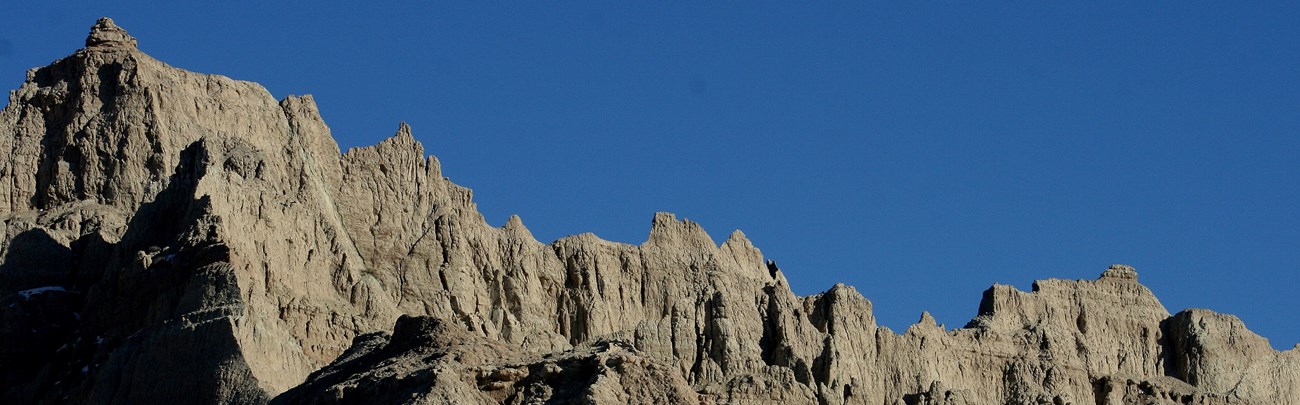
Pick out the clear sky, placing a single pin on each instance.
(917, 151)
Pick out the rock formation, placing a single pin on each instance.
(179, 237)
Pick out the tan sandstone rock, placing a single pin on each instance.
(180, 237)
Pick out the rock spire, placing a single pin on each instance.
(106, 34)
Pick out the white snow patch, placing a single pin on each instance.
(27, 294)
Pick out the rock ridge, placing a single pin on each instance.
(172, 236)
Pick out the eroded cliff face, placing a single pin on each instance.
(178, 237)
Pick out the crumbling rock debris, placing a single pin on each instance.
(106, 33)
(1120, 271)
(174, 237)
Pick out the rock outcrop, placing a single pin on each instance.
(426, 360)
(179, 237)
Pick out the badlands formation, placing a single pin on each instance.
(175, 237)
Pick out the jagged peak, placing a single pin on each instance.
(1119, 272)
(583, 239)
(840, 288)
(402, 137)
(401, 142)
(305, 100)
(840, 309)
(515, 226)
(514, 222)
(106, 34)
(1000, 295)
(667, 229)
(927, 319)
(927, 324)
(741, 252)
(737, 238)
(404, 131)
(664, 218)
(841, 292)
(299, 107)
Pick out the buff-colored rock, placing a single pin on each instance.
(427, 360)
(175, 237)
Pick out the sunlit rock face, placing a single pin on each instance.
(175, 237)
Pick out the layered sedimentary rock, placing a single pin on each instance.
(179, 237)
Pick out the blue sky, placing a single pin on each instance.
(917, 152)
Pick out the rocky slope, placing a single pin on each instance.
(179, 237)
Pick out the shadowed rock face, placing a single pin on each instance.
(178, 237)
